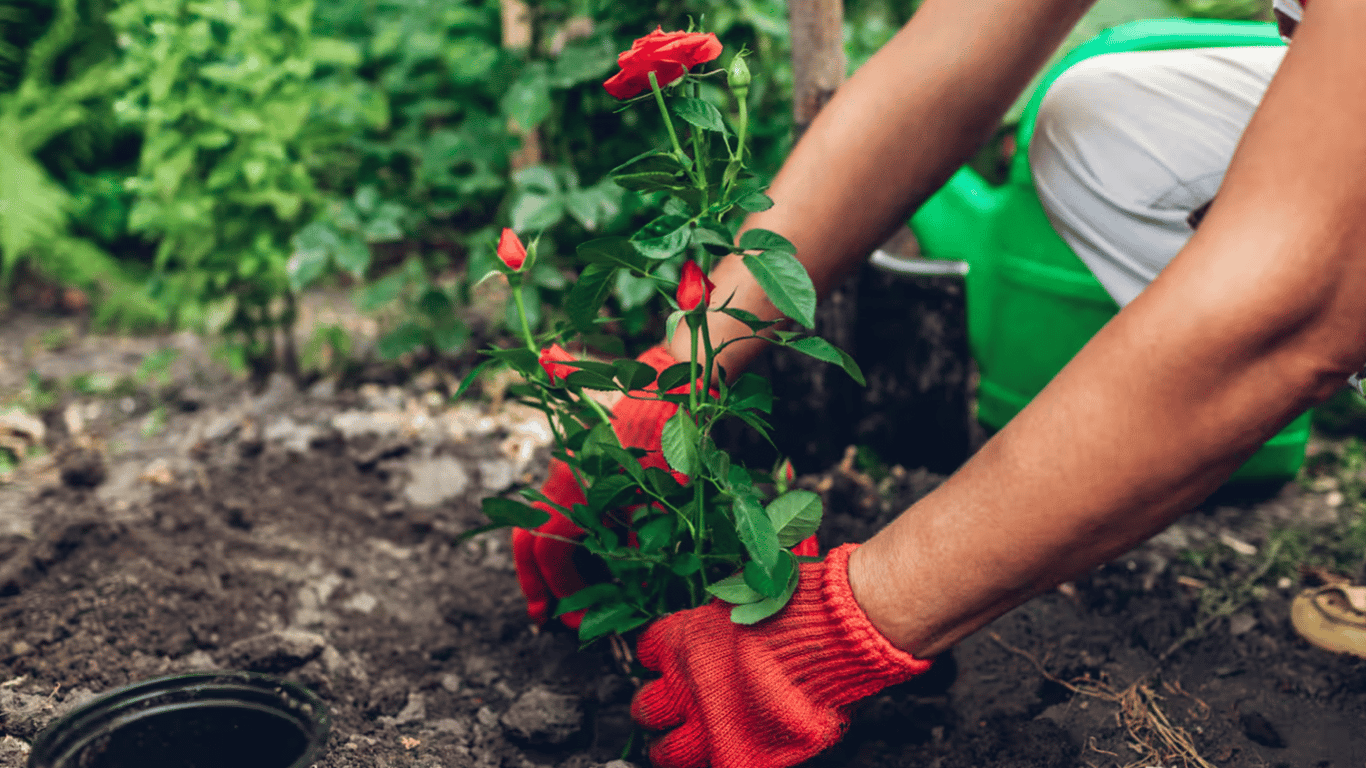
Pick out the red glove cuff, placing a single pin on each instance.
(856, 660)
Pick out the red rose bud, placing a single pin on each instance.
(784, 475)
(552, 360)
(693, 287)
(511, 250)
(668, 54)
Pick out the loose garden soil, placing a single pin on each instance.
(312, 535)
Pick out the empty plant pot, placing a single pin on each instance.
(199, 720)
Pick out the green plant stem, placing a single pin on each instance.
(597, 408)
(710, 354)
(742, 98)
(694, 399)
(668, 122)
(521, 313)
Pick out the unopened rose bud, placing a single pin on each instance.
(738, 75)
(552, 359)
(693, 287)
(511, 251)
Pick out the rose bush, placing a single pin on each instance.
(672, 518)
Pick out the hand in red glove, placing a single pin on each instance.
(769, 695)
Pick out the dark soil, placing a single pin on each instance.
(312, 536)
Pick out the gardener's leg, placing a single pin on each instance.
(1127, 145)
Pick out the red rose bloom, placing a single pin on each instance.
(511, 250)
(667, 54)
(552, 360)
(693, 287)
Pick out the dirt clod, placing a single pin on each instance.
(275, 652)
(541, 717)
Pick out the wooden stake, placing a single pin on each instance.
(517, 35)
(818, 60)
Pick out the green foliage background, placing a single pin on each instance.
(200, 163)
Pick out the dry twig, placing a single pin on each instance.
(1153, 735)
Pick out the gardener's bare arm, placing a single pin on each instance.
(1262, 315)
(891, 135)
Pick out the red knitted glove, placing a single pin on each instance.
(545, 565)
(769, 695)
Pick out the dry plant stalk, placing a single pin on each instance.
(1152, 734)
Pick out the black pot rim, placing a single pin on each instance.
(240, 689)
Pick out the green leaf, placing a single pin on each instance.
(657, 533)
(588, 597)
(470, 378)
(823, 350)
(733, 589)
(714, 459)
(770, 583)
(612, 617)
(408, 337)
(634, 374)
(796, 515)
(674, 376)
(532, 211)
(786, 283)
(764, 240)
(670, 327)
(757, 424)
(611, 492)
(588, 294)
(306, 266)
(527, 102)
(626, 460)
(381, 292)
(590, 380)
(756, 531)
(738, 478)
(679, 441)
(508, 512)
(699, 113)
(756, 612)
(451, 336)
(651, 172)
(751, 391)
(714, 240)
(353, 256)
(582, 62)
(755, 202)
(667, 246)
(522, 360)
(661, 482)
(686, 564)
(750, 319)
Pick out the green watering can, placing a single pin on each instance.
(1031, 303)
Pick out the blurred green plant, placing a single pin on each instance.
(240, 106)
(57, 107)
(1224, 9)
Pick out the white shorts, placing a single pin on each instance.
(1127, 145)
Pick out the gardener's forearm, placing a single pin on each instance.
(1259, 317)
(891, 135)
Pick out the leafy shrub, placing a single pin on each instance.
(238, 104)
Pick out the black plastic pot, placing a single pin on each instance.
(199, 720)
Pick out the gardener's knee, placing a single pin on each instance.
(1089, 140)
